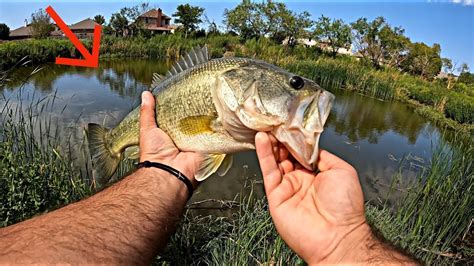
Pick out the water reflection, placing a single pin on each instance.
(371, 135)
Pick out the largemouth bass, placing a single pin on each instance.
(216, 107)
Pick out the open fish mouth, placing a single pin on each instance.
(300, 134)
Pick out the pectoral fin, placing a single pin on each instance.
(209, 165)
(225, 166)
(131, 152)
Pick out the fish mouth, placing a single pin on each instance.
(300, 134)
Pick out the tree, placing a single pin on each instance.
(99, 19)
(465, 76)
(41, 26)
(394, 45)
(245, 19)
(294, 26)
(189, 17)
(423, 60)
(378, 42)
(464, 68)
(269, 19)
(125, 22)
(449, 68)
(4, 31)
(119, 24)
(335, 32)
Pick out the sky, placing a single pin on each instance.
(449, 23)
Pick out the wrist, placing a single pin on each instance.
(160, 178)
(361, 246)
(352, 247)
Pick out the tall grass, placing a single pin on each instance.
(35, 174)
(434, 219)
(247, 237)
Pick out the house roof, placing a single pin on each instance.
(86, 24)
(21, 31)
(153, 14)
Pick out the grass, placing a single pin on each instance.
(247, 237)
(35, 176)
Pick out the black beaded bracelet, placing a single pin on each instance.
(170, 170)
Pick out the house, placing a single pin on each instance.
(326, 46)
(84, 29)
(156, 21)
(26, 32)
(23, 32)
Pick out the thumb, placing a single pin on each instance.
(147, 111)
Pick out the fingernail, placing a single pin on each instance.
(143, 97)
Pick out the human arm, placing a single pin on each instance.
(127, 223)
(327, 223)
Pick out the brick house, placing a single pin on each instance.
(156, 21)
(84, 29)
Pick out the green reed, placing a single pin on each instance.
(434, 219)
(36, 176)
(247, 237)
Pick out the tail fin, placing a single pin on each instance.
(104, 161)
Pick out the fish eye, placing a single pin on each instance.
(296, 82)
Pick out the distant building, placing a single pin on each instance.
(23, 32)
(26, 32)
(323, 45)
(156, 21)
(84, 29)
(326, 46)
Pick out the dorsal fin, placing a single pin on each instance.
(196, 56)
(157, 79)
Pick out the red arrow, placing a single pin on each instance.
(90, 60)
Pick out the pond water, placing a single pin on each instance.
(370, 134)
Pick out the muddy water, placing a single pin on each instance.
(370, 134)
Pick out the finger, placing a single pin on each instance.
(286, 166)
(147, 111)
(328, 161)
(283, 152)
(271, 173)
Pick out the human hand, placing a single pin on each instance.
(320, 215)
(157, 146)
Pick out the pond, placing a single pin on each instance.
(370, 134)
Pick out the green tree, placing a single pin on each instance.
(41, 26)
(268, 19)
(449, 68)
(423, 60)
(125, 23)
(119, 24)
(99, 19)
(379, 43)
(293, 27)
(4, 31)
(189, 17)
(335, 32)
(245, 20)
(394, 45)
(465, 76)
